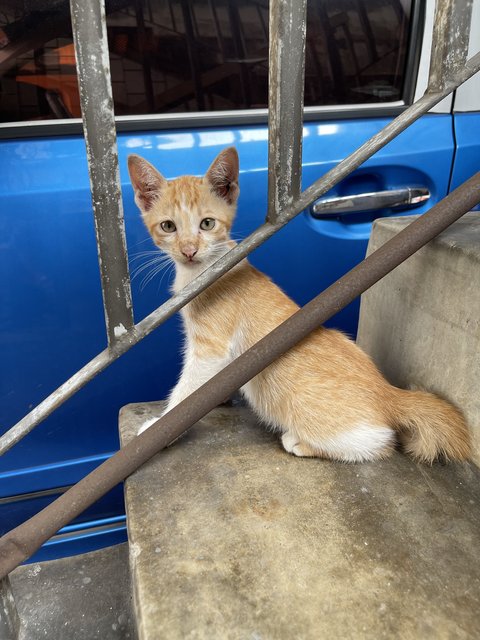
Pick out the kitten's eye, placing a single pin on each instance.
(207, 224)
(168, 226)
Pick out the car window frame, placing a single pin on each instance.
(237, 117)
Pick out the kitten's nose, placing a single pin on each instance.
(189, 251)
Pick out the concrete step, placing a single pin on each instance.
(9, 620)
(232, 538)
(77, 598)
(421, 323)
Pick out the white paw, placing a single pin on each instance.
(292, 444)
(303, 450)
(289, 441)
(148, 423)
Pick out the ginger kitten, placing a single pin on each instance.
(325, 396)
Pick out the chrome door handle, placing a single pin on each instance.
(408, 196)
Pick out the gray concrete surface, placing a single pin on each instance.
(78, 598)
(421, 323)
(232, 538)
(9, 621)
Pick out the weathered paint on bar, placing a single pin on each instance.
(286, 79)
(93, 70)
(450, 41)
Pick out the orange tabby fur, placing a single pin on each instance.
(325, 396)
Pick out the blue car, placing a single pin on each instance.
(188, 80)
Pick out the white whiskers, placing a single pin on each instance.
(151, 264)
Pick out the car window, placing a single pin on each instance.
(201, 55)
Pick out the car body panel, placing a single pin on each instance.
(467, 150)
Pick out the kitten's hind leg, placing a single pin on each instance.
(363, 443)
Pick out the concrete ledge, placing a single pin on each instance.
(421, 323)
(80, 597)
(233, 539)
(9, 620)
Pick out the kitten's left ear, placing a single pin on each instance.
(223, 175)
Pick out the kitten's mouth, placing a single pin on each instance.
(191, 261)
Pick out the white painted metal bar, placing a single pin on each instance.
(450, 41)
(93, 71)
(286, 80)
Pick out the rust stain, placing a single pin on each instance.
(266, 508)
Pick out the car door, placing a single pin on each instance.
(466, 115)
(188, 80)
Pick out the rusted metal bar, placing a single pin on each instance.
(286, 79)
(450, 41)
(93, 71)
(233, 257)
(20, 543)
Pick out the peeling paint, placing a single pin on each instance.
(286, 73)
(100, 139)
(450, 42)
(119, 330)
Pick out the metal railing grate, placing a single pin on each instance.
(448, 70)
(284, 204)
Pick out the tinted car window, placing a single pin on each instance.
(201, 55)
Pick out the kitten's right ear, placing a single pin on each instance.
(147, 182)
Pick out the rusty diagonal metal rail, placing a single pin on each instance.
(287, 22)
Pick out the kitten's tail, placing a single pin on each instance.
(429, 427)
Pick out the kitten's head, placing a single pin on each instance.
(189, 218)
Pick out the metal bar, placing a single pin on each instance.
(218, 30)
(335, 59)
(286, 75)
(20, 543)
(450, 41)
(233, 257)
(239, 49)
(370, 42)
(192, 51)
(146, 58)
(93, 69)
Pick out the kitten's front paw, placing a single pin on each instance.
(148, 423)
